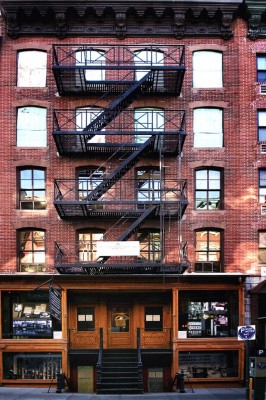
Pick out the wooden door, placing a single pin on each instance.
(119, 326)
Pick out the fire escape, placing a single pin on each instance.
(122, 138)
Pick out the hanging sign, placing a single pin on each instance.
(246, 332)
(122, 248)
(55, 303)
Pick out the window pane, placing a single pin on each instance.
(207, 69)
(32, 65)
(147, 57)
(31, 127)
(208, 127)
(92, 58)
(85, 116)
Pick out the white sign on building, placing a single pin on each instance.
(131, 248)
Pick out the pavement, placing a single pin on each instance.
(12, 393)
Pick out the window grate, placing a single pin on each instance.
(263, 148)
(263, 211)
(262, 89)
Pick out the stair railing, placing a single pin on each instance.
(99, 362)
(140, 381)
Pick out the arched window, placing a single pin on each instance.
(31, 247)
(149, 184)
(84, 117)
(208, 127)
(31, 68)
(208, 186)
(208, 250)
(148, 120)
(150, 245)
(92, 58)
(88, 179)
(32, 194)
(31, 127)
(87, 243)
(207, 69)
(146, 58)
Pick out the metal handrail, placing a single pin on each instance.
(99, 362)
(139, 357)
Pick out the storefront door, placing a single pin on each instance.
(119, 326)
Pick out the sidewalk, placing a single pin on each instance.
(198, 394)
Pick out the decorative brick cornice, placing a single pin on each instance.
(120, 18)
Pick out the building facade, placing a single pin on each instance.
(133, 163)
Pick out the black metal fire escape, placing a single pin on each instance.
(132, 89)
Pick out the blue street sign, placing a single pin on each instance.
(246, 332)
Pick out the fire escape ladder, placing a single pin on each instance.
(127, 164)
(133, 228)
(119, 104)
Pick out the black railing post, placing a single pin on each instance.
(140, 382)
(99, 362)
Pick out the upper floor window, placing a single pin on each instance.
(87, 240)
(262, 185)
(148, 58)
(208, 127)
(149, 184)
(32, 189)
(262, 247)
(261, 67)
(153, 318)
(88, 179)
(208, 189)
(86, 318)
(31, 250)
(31, 68)
(148, 120)
(150, 245)
(84, 117)
(207, 69)
(208, 250)
(31, 127)
(95, 60)
(262, 125)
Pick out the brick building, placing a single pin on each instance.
(133, 176)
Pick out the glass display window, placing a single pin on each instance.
(207, 314)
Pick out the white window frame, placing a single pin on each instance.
(208, 127)
(31, 126)
(31, 68)
(207, 69)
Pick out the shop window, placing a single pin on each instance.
(208, 250)
(32, 194)
(87, 242)
(88, 179)
(31, 127)
(150, 246)
(94, 59)
(208, 314)
(86, 318)
(147, 120)
(208, 127)
(26, 315)
(209, 364)
(261, 68)
(262, 186)
(31, 68)
(149, 184)
(146, 58)
(31, 250)
(84, 117)
(207, 69)
(208, 189)
(262, 247)
(32, 365)
(261, 114)
(153, 318)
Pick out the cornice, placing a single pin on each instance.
(120, 18)
(256, 16)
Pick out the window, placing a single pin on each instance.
(207, 313)
(32, 189)
(86, 115)
(208, 127)
(208, 189)
(85, 318)
(150, 245)
(149, 184)
(88, 245)
(31, 250)
(261, 67)
(32, 66)
(262, 186)
(31, 127)
(262, 125)
(148, 120)
(208, 250)
(92, 58)
(262, 247)
(148, 58)
(88, 179)
(207, 69)
(153, 318)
